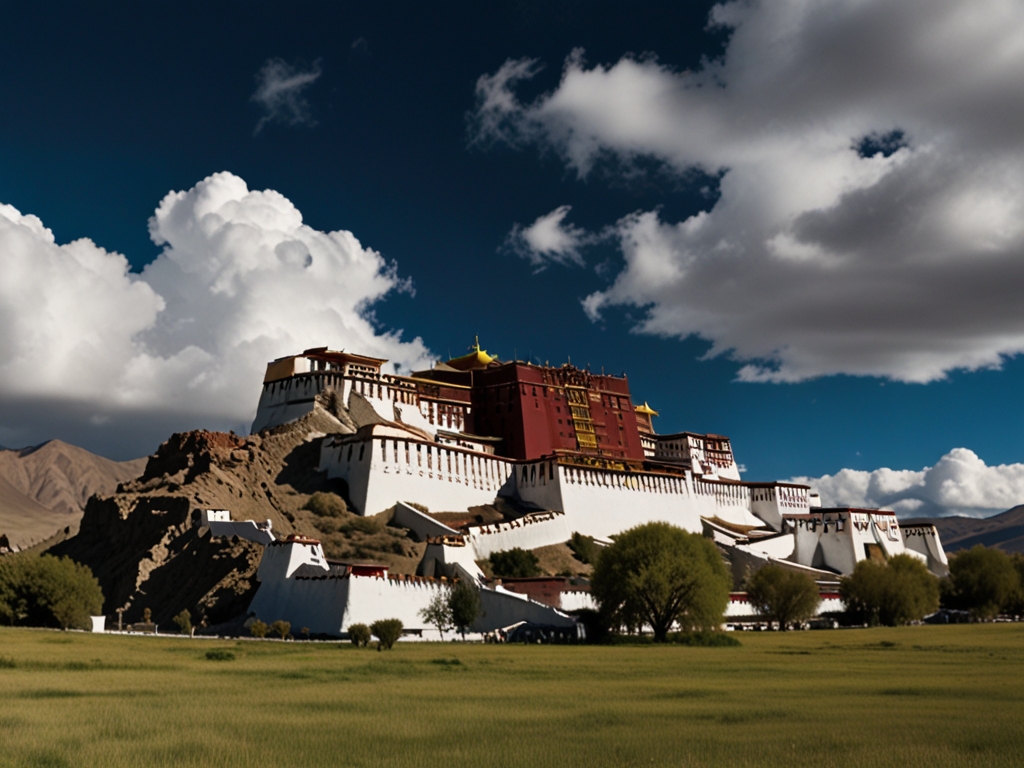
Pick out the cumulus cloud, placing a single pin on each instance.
(549, 240)
(871, 211)
(279, 91)
(240, 281)
(959, 484)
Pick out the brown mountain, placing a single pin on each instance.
(1004, 531)
(44, 489)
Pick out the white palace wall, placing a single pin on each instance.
(923, 540)
(537, 530)
(838, 540)
(384, 469)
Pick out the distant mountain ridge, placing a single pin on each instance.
(1004, 531)
(44, 488)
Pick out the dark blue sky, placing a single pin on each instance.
(107, 107)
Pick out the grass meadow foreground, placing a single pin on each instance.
(914, 696)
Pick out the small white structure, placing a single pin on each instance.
(99, 623)
(220, 524)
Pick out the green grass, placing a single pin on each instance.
(914, 696)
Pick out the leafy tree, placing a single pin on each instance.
(465, 607)
(184, 622)
(515, 563)
(438, 613)
(258, 628)
(783, 594)
(584, 548)
(281, 628)
(660, 575)
(48, 591)
(892, 593)
(983, 581)
(387, 631)
(359, 634)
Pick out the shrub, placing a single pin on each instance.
(361, 525)
(219, 654)
(47, 591)
(983, 581)
(464, 604)
(281, 628)
(387, 631)
(326, 505)
(258, 629)
(184, 621)
(584, 548)
(892, 593)
(515, 563)
(359, 634)
(783, 595)
(659, 575)
(438, 613)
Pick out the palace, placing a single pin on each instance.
(569, 451)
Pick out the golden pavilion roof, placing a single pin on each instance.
(646, 409)
(474, 361)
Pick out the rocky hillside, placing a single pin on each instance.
(44, 489)
(147, 547)
(1004, 531)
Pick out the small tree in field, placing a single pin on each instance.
(387, 631)
(660, 575)
(784, 595)
(438, 613)
(983, 581)
(892, 593)
(360, 635)
(281, 628)
(184, 622)
(465, 607)
(258, 628)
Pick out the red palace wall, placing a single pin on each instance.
(532, 409)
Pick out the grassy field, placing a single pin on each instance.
(915, 696)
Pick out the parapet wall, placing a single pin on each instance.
(381, 471)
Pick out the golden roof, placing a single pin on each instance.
(645, 408)
(475, 360)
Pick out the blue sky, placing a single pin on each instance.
(851, 330)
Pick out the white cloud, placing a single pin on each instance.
(241, 281)
(279, 90)
(549, 240)
(959, 484)
(814, 260)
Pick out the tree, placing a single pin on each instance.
(438, 613)
(360, 635)
(584, 548)
(387, 631)
(258, 628)
(983, 581)
(515, 563)
(892, 593)
(184, 622)
(281, 628)
(464, 604)
(48, 591)
(660, 575)
(783, 594)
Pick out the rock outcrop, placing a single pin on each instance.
(148, 548)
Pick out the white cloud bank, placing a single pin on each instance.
(959, 484)
(279, 91)
(814, 260)
(241, 281)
